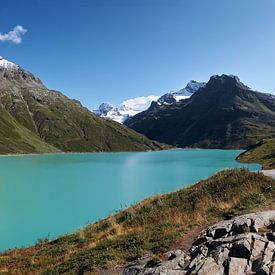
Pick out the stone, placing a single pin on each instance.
(270, 236)
(258, 248)
(268, 254)
(221, 255)
(200, 241)
(210, 267)
(264, 270)
(238, 266)
(233, 247)
(220, 232)
(272, 268)
(240, 249)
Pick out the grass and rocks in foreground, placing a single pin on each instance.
(150, 227)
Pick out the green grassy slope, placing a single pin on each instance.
(39, 120)
(15, 138)
(35, 119)
(263, 152)
(151, 226)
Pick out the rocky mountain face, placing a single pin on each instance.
(242, 245)
(35, 119)
(223, 114)
(173, 97)
(132, 107)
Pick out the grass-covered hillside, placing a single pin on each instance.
(152, 226)
(34, 119)
(263, 152)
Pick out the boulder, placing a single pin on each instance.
(144, 266)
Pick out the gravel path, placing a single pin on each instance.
(270, 173)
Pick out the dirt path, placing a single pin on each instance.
(270, 173)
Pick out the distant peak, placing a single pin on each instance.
(193, 86)
(104, 108)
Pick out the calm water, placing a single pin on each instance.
(49, 195)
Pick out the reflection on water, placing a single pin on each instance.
(49, 195)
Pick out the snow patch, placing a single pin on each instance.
(7, 64)
(131, 107)
(126, 109)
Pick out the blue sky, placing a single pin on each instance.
(111, 50)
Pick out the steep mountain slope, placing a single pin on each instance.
(223, 114)
(263, 152)
(35, 119)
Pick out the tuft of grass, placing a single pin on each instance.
(151, 226)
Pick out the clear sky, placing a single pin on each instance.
(111, 50)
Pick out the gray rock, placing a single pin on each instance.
(236, 246)
(242, 245)
(238, 266)
(173, 266)
(210, 266)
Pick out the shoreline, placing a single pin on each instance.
(112, 152)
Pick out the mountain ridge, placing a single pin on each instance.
(132, 107)
(223, 114)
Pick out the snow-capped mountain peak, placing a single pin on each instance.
(126, 109)
(131, 107)
(194, 86)
(138, 104)
(103, 109)
(172, 97)
(7, 64)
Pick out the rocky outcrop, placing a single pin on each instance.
(174, 265)
(242, 245)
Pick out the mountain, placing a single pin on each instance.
(36, 119)
(224, 113)
(127, 108)
(263, 152)
(132, 107)
(172, 97)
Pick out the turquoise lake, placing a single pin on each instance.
(49, 195)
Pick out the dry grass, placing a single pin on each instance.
(263, 152)
(151, 226)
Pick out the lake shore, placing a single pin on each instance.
(77, 183)
(151, 227)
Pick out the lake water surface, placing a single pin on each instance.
(49, 195)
